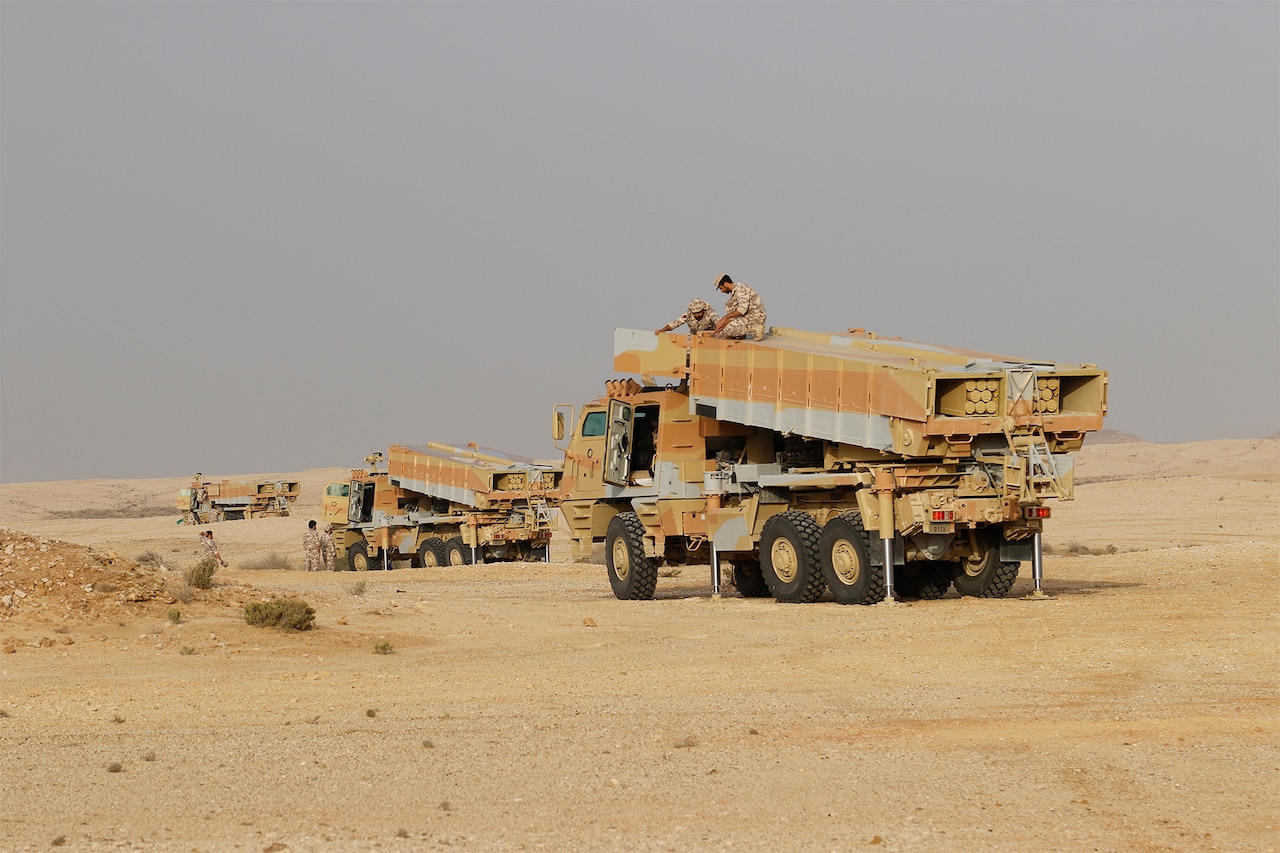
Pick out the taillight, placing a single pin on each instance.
(1036, 512)
(943, 515)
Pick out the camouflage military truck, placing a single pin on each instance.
(810, 462)
(436, 504)
(207, 501)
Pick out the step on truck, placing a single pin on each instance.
(440, 505)
(206, 501)
(806, 462)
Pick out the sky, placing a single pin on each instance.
(264, 237)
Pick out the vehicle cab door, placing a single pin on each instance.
(617, 457)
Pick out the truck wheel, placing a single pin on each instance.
(431, 553)
(749, 580)
(358, 556)
(924, 580)
(632, 575)
(789, 557)
(986, 576)
(845, 547)
(456, 552)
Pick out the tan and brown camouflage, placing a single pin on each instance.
(208, 501)
(749, 306)
(437, 504)
(946, 456)
(705, 323)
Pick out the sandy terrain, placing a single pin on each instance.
(524, 708)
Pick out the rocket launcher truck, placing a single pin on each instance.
(806, 462)
(207, 501)
(439, 505)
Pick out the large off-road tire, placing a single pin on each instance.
(749, 580)
(789, 557)
(431, 553)
(845, 550)
(632, 575)
(986, 577)
(923, 579)
(358, 557)
(456, 552)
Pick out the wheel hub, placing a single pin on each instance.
(786, 563)
(845, 562)
(621, 564)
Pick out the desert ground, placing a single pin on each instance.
(523, 707)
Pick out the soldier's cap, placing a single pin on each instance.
(698, 305)
(721, 279)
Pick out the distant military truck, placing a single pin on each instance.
(441, 505)
(808, 462)
(204, 501)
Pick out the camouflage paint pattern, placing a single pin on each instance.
(233, 500)
(501, 505)
(930, 445)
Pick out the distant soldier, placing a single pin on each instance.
(700, 317)
(311, 547)
(210, 547)
(328, 551)
(743, 313)
(198, 497)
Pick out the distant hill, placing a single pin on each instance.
(1112, 436)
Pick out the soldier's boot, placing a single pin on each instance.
(757, 332)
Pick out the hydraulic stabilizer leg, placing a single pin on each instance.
(715, 573)
(884, 485)
(1037, 568)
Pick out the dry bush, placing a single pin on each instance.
(383, 648)
(135, 511)
(148, 558)
(201, 574)
(175, 615)
(272, 562)
(358, 588)
(291, 614)
(182, 591)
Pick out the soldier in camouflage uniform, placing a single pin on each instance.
(328, 551)
(701, 317)
(743, 313)
(311, 547)
(210, 547)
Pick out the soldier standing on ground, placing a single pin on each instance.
(743, 313)
(311, 547)
(701, 317)
(328, 551)
(210, 547)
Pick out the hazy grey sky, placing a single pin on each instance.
(264, 237)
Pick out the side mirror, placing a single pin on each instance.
(557, 425)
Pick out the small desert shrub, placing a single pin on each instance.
(1080, 549)
(115, 767)
(182, 591)
(291, 614)
(134, 511)
(175, 615)
(148, 558)
(383, 648)
(358, 588)
(187, 650)
(272, 562)
(150, 756)
(200, 575)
